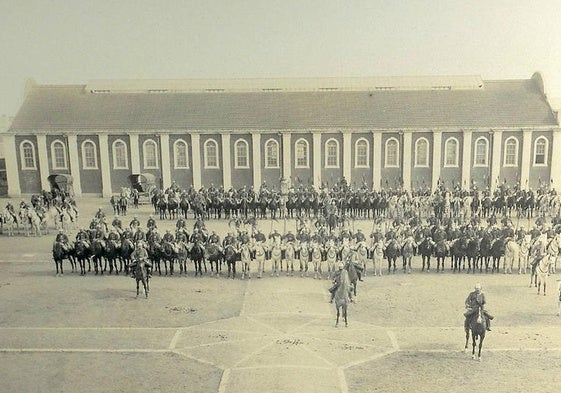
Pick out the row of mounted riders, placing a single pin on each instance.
(357, 203)
(36, 217)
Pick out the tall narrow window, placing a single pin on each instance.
(211, 154)
(89, 155)
(180, 160)
(241, 152)
(120, 155)
(27, 153)
(58, 154)
(392, 153)
(332, 154)
(422, 152)
(481, 152)
(271, 154)
(540, 151)
(361, 153)
(451, 152)
(150, 150)
(511, 152)
(302, 154)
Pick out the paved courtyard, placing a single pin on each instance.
(73, 333)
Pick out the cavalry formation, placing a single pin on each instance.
(43, 212)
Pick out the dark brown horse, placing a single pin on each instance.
(478, 326)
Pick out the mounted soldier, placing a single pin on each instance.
(475, 300)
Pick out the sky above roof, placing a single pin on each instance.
(63, 42)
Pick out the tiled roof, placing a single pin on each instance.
(507, 103)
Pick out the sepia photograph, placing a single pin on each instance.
(280, 196)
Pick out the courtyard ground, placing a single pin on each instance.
(73, 333)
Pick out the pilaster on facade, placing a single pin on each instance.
(165, 157)
(135, 154)
(74, 164)
(406, 171)
(286, 156)
(226, 162)
(555, 153)
(496, 159)
(317, 159)
(347, 156)
(10, 154)
(436, 157)
(376, 160)
(196, 154)
(526, 162)
(43, 161)
(466, 159)
(106, 190)
(256, 159)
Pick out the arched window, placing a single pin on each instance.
(332, 153)
(180, 157)
(451, 152)
(511, 152)
(362, 160)
(271, 154)
(89, 155)
(540, 151)
(27, 154)
(58, 155)
(302, 154)
(241, 154)
(120, 155)
(422, 152)
(392, 153)
(481, 152)
(211, 154)
(150, 153)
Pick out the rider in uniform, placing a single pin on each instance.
(117, 224)
(140, 255)
(62, 239)
(336, 279)
(83, 236)
(99, 214)
(168, 236)
(151, 223)
(475, 299)
(134, 223)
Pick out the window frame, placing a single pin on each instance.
(475, 163)
(397, 153)
(307, 152)
(84, 157)
(23, 164)
(54, 163)
(427, 159)
(277, 152)
(126, 154)
(545, 152)
(147, 142)
(456, 163)
(367, 156)
(328, 142)
(516, 146)
(211, 141)
(241, 141)
(176, 143)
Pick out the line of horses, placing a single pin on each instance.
(36, 221)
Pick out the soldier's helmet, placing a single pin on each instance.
(341, 266)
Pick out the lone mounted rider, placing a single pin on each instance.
(140, 255)
(336, 278)
(475, 300)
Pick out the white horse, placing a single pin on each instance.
(276, 258)
(316, 260)
(378, 257)
(512, 254)
(246, 261)
(304, 259)
(289, 254)
(259, 249)
(542, 272)
(331, 257)
(362, 256)
(9, 222)
(524, 255)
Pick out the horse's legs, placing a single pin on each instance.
(467, 340)
(481, 338)
(337, 321)
(137, 287)
(345, 314)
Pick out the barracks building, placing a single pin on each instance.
(389, 132)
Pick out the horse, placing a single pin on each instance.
(97, 250)
(123, 203)
(512, 254)
(497, 252)
(426, 249)
(9, 221)
(245, 254)
(478, 327)
(392, 252)
(441, 250)
(472, 254)
(214, 255)
(182, 254)
(331, 258)
(112, 254)
(140, 274)
(316, 256)
(458, 251)
(167, 254)
(60, 254)
(541, 272)
(342, 296)
(407, 252)
(259, 250)
(82, 254)
(276, 258)
(127, 248)
(197, 256)
(231, 257)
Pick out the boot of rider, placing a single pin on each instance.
(488, 323)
